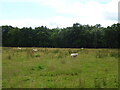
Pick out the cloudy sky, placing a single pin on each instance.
(58, 13)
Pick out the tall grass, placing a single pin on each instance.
(54, 68)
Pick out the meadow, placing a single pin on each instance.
(54, 68)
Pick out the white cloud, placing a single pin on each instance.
(90, 12)
(54, 22)
(23, 22)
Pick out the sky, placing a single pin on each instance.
(58, 13)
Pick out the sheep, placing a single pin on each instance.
(82, 48)
(19, 48)
(74, 54)
(35, 50)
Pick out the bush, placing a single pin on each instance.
(115, 54)
(37, 55)
(101, 54)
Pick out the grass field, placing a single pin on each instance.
(54, 68)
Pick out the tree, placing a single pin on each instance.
(70, 37)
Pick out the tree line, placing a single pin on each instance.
(76, 36)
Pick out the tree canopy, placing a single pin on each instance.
(76, 36)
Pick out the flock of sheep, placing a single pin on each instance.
(72, 54)
(35, 50)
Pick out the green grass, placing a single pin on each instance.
(54, 68)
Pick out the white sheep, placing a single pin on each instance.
(19, 48)
(74, 54)
(35, 50)
(82, 48)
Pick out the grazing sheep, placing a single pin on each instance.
(74, 54)
(35, 50)
(19, 48)
(82, 48)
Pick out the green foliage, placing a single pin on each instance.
(37, 55)
(101, 54)
(76, 36)
(115, 54)
(40, 67)
(9, 57)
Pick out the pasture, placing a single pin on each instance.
(55, 68)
